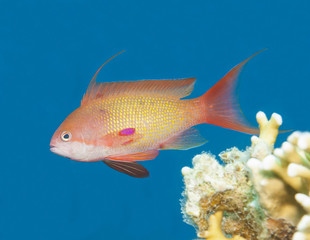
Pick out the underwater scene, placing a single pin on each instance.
(144, 120)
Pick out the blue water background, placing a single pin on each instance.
(49, 51)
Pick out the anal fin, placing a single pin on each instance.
(185, 140)
(132, 169)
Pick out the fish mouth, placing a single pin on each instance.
(57, 151)
(52, 149)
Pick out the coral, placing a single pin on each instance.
(276, 189)
(260, 193)
(214, 232)
(282, 180)
(212, 188)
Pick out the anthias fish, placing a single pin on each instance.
(121, 123)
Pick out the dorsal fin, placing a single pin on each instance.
(92, 86)
(174, 89)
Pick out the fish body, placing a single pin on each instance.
(154, 120)
(121, 123)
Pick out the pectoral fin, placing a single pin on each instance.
(132, 169)
(121, 138)
(139, 156)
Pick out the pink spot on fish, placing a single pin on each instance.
(127, 132)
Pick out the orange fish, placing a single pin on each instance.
(121, 123)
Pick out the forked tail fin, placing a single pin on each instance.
(221, 103)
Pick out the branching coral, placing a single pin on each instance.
(215, 232)
(269, 174)
(261, 193)
(282, 179)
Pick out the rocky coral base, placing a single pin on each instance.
(261, 193)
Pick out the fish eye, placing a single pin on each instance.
(66, 136)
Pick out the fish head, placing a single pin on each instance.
(77, 138)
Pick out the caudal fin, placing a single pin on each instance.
(221, 103)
